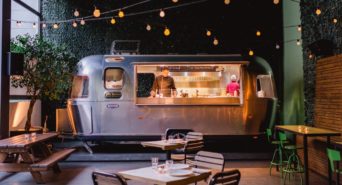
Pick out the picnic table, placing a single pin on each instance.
(30, 153)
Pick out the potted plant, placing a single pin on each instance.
(47, 70)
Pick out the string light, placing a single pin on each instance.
(74, 24)
(97, 12)
(34, 25)
(44, 25)
(227, 2)
(148, 27)
(310, 56)
(162, 13)
(258, 33)
(275, 1)
(335, 21)
(174, 1)
(318, 11)
(82, 22)
(251, 52)
(208, 33)
(298, 42)
(215, 42)
(76, 13)
(299, 28)
(112, 21)
(121, 14)
(55, 26)
(167, 31)
(277, 46)
(19, 23)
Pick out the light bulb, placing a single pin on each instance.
(34, 25)
(318, 11)
(19, 23)
(227, 2)
(208, 33)
(44, 25)
(215, 42)
(299, 28)
(162, 13)
(275, 1)
(148, 27)
(96, 12)
(55, 26)
(251, 53)
(74, 24)
(277, 46)
(82, 22)
(121, 14)
(310, 56)
(175, 1)
(112, 21)
(335, 20)
(298, 42)
(167, 32)
(258, 33)
(76, 13)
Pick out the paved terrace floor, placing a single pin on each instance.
(79, 173)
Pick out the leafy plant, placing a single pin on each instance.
(47, 70)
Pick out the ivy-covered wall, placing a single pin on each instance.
(316, 27)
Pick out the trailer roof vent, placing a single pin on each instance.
(120, 47)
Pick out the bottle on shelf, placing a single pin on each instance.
(45, 129)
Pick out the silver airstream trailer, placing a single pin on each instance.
(110, 97)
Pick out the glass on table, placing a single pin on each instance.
(33, 135)
(168, 165)
(154, 161)
(170, 139)
(27, 137)
(163, 137)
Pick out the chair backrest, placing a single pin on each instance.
(282, 138)
(176, 131)
(269, 135)
(333, 156)
(209, 160)
(194, 136)
(226, 178)
(193, 146)
(105, 178)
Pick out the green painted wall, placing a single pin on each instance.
(293, 102)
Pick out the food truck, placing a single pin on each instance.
(111, 96)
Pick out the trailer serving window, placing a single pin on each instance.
(188, 84)
(114, 78)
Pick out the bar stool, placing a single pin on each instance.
(294, 165)
(335, 156)
(276, 154)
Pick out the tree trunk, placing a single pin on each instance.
(29, 114)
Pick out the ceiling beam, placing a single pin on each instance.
(29, 8)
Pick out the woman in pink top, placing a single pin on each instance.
(233, 88)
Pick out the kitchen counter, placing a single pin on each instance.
(211, 100)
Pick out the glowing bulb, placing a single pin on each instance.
(175, 1)
(227, 2)
(82, 22)
(121, 14)
(162, 13)
(298, 42)
(208, 33)
(112, 21)
(215, 42)
(74, 24)
(251, 53)
(310, 56)
(19, 23)
(76, 13)
(258, 33)
(275, 1)
(55, 26)
(167, 32)
(318, 11)
(299, 28)
(148, 27)
(34, 25)
(96, 12)
(335, 20)
(277, 46)
(44, 25)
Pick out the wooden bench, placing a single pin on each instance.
(51, 160)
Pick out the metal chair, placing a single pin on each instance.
(209, 160)
(176, 131)
(194, 136)
(191, 147)
(277, 151)
(335, 157)
(231, 177)
(105, 178)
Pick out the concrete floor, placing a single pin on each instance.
(79, 173)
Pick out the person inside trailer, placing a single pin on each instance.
(233, 88)
(164, 85)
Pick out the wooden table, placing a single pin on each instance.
(151, 176)
(165, 145)
(306, 132)
(30, 149)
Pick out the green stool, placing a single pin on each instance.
(335, 156)
(294, 165)
(276, 159)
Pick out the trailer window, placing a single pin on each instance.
(80, 87)
(114, 78)
(265, 86)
